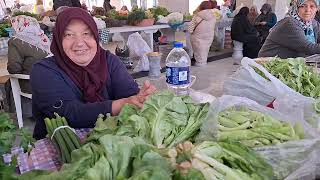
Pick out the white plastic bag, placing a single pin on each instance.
(246, 82)
(100, 23)
(293, 160)
(289, 159)
(139, 48)
(200, 97)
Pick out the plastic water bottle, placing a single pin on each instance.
(178, 70)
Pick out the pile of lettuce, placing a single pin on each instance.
(111, 157)
(123, 157)
(164, 121)
(221, 160)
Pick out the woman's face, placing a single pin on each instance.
(78, 43)
(252, 10)
(307, 11)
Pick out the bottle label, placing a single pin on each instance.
(177, 75)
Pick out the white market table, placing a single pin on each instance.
(125, 31)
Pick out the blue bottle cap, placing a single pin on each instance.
(178, 45)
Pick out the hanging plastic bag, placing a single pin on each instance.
(289, 159)
(139, 48)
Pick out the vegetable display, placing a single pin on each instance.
(3, 32)
(65, 139)
(222, 160)
(296, 74)
(8, 135)
(254, 129)
(164, 121)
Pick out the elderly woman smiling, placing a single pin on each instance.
(81, 80)
(297, 35)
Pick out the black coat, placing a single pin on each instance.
(243, 31)
(69, 3)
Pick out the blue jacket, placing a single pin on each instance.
(53, 91)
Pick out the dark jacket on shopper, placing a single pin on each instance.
(69, 3)
(243, 31)
(54, 91)
(287, 39)
(21, 57)
(270, 18)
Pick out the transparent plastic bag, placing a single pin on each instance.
(139, 48)
(290, 159)
(246, 82)
(293, 160)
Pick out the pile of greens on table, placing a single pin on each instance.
(296, 74)
(122, 157)
(164, 121)
(8, 139)
(152, 143)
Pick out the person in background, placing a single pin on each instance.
(107, 6)
(253, 14)
(124, 11)
(243, 31)
(28, 45)
(265, 21)
(81, 80)
(69, 3)
(84, 5)
(201, 29)
(297, 35)
(39, 8)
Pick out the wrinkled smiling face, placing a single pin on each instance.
(79, 43)
(307, 10)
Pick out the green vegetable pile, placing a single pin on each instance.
(122, 157)
(222, 160)
(164, 121)
(3, 32)
(254, 129)
(36, 16)
(296, 74)
(111, 157)
(114, 14)
(64, 139)
(159, 11)
(8, 134)
(152, 143)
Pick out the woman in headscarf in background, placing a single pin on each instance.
(265, 21)
(243, 31)
(253, 14)
(297, 35)
(81, 80)
(28, 45)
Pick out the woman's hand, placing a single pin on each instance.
(136, 100)
(144, 92)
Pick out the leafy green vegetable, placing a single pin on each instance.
(159, 11)
(148, 164)
(164, 121)
(223, 160)
(251, 128)
(3, 32)
(294, 73)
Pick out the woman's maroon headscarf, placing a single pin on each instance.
(91, 79)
